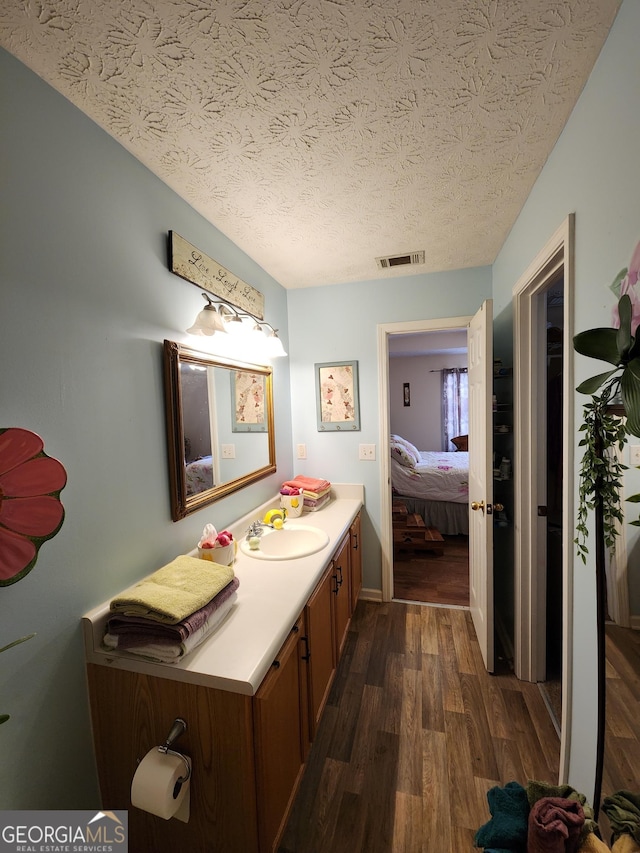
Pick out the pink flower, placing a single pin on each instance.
(628, 286)
(30, 509)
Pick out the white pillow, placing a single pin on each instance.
(413, 450)
(403, 455)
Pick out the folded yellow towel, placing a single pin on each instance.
(625, 844)
(175, 591)
(592, 844)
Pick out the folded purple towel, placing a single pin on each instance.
(135, 630)
(555, 824)
(167, 651)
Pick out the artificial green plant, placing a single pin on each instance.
(604, 427)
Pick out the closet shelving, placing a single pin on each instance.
(503, 445)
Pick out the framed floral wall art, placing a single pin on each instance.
(248, 392)
(337, 403)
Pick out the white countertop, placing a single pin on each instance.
(271, 596)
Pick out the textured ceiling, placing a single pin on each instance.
(321, 134)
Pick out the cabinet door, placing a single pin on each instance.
(278, 741)
(341, 577)
(322, 657)
(132, 712)
(300, 629)
(356, 562)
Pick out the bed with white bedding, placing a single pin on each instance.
(434, 484)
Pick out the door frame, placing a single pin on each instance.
(384, 331)
(530, 587)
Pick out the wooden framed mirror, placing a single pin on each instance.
(220, 426)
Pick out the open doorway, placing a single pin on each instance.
(543, 379)
(552, 372)
(480, 480)
(428, 416)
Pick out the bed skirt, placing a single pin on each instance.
(448, 518)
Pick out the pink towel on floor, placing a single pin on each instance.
(555, 824)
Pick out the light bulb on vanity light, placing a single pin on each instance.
(235, 325)
(275, 348)
(208, 322)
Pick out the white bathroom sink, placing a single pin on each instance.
(289, 543)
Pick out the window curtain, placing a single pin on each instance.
(455, 405)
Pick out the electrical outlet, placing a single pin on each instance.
(228, 451)
(367, 452)
(634, 454)
(302, 451)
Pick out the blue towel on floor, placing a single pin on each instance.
(508, 827)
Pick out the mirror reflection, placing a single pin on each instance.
(219, 426)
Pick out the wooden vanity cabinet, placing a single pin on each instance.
(322, 652)
(356, 561)
(131, 713)
(248, 752)
(328, 613)
(342, 594)
(281, 730)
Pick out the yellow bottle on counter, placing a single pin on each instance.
(275, 517)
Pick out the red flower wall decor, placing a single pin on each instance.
(30, 508)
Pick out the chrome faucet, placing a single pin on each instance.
(257, 529)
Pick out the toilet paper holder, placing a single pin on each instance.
(178, 728)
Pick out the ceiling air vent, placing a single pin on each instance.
(400, 260)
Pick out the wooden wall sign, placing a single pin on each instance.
(199, 269)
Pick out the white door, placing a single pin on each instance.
(480, 343)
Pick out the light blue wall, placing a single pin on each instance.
(86, 300)
(340, 323)
(594, 171)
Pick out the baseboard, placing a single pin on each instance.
(635, 623)
(370, 594)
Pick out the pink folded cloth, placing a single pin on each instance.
(555, 824)
(308, 484)
(291, 490)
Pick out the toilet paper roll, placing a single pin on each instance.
(154, 785)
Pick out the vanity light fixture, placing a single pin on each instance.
(235, 325)
(272, 343)
(209, 320)
(218, 316)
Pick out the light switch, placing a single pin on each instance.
(228, 451)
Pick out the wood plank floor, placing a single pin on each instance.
(436, 579)
(414, 734)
